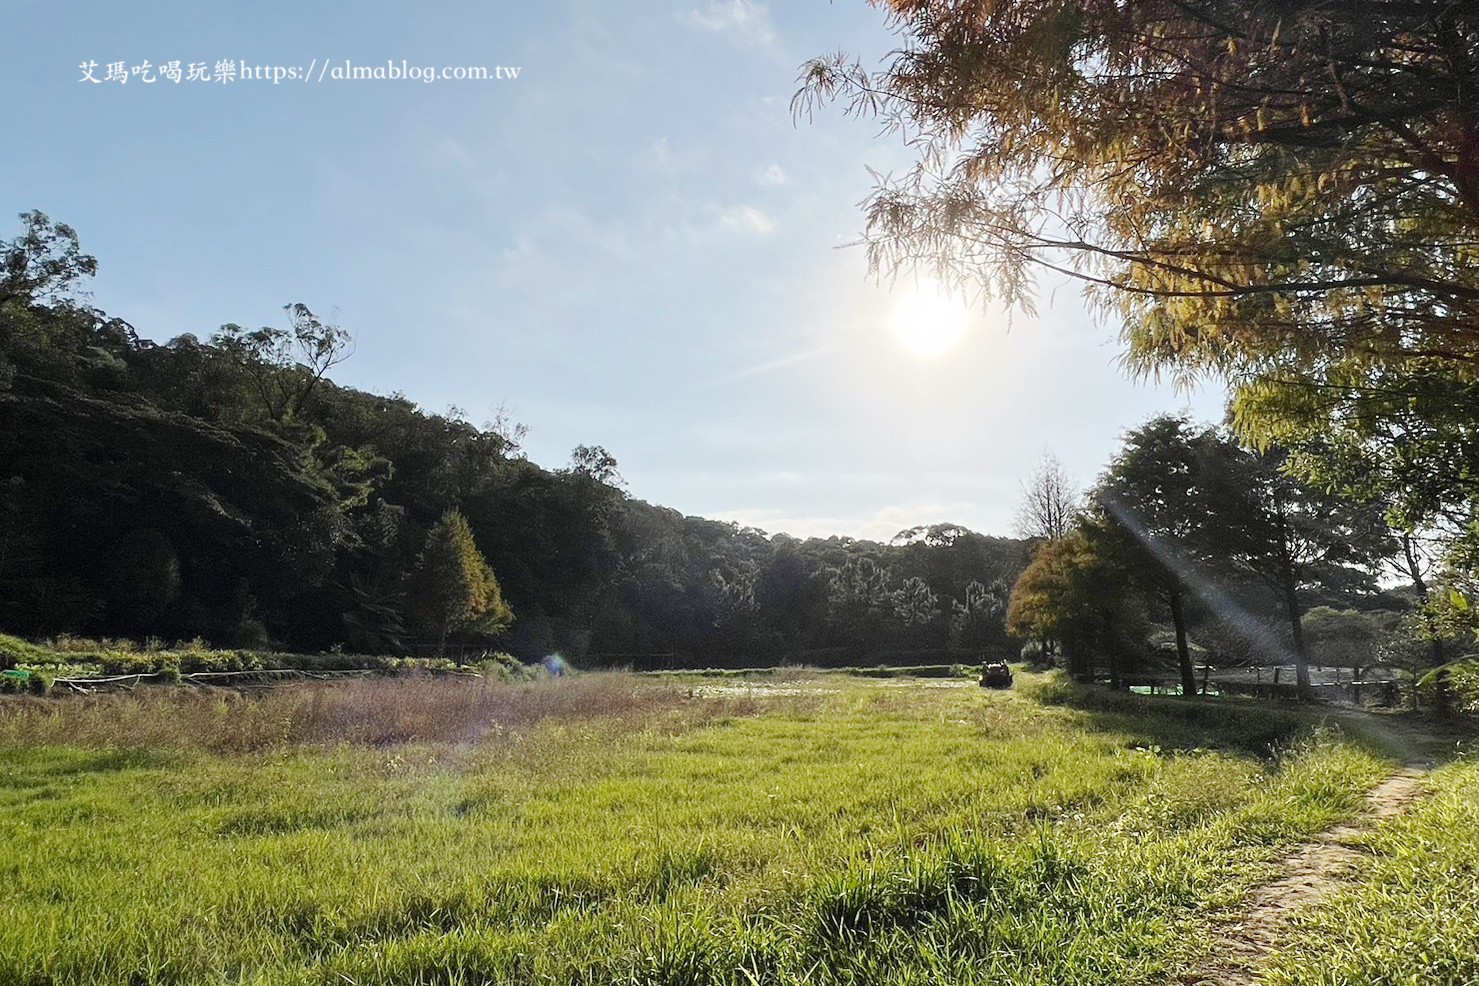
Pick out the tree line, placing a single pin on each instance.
(227, 488)
(1191, 549)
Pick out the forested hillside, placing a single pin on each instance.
(224, 487)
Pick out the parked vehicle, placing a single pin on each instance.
(996, 674)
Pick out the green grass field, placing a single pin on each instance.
(1415, 920)
(617, 829)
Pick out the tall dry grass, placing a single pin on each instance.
(367, 711)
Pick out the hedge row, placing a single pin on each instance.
(74, 661)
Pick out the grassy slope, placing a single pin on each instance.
(867, 833)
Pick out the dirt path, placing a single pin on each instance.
(1320, 867)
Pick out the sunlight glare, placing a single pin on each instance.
(928, 320)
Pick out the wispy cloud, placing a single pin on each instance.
(746, 218)
(770, 366)
(746, 22)
(773, 175)
(661, 154)
(449, 153)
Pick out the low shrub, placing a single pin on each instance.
(80, 657)
(506, 667)
(1459, 679)
(20, 681)
(41, 682)
(1464, 679)
(14, 652)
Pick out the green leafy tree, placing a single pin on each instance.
(860, 600)
(44, 264)
(792, 593)
(594, 462)
(452, 590)
(1078, 594)
(374, 595)
(1158, 518)
(284, 367)
(45, 326)
(978, 622)
(1344, 637)
(1293, 537)
(1284, 193)
(1188, 509)
(142, 578)
(735, 592)
(916, 607)
(1407, 444)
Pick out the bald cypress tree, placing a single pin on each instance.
(452, 589)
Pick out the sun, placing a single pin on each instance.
(928, 320)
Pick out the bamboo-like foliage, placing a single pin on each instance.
(1281, 193)
(1257, 187)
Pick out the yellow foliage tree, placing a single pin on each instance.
(452, 588)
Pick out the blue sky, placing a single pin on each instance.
(632, 245)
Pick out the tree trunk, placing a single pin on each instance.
(1420, 586)
(1183, 651)
(1301, 660)
(1289, 586)
(1077, 660)
(1443, 704)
